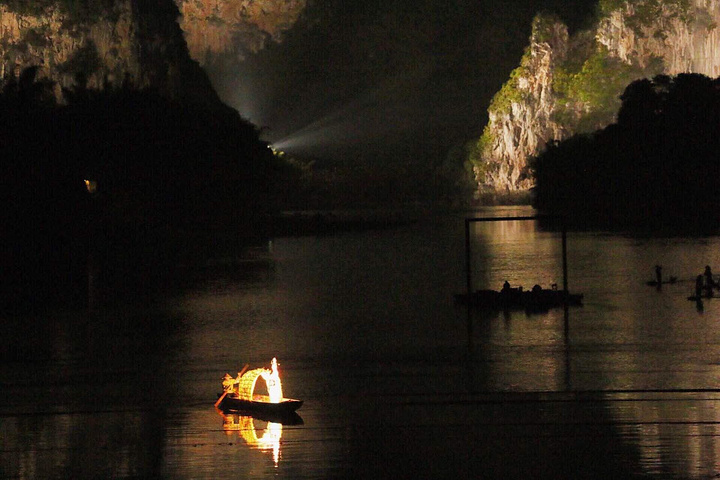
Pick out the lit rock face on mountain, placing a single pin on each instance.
(521, 114)
(130, 42)
(219, 27)
(571, 84)
(50, 39)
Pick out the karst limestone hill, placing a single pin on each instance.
(235, 27)
(567, 84)
(101, 43)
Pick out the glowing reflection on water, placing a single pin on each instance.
(245, 425)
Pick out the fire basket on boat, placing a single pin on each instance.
(239, 393)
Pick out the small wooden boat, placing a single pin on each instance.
(260, 404)
(239, 394)
(517, 298)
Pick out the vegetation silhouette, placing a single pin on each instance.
(168, 183)
(656, 169)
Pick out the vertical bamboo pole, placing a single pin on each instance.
(564, 258)
(469, 289)
(467, 257)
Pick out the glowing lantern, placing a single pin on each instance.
(91, 186)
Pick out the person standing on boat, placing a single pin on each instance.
(228, 383)
(658, 274)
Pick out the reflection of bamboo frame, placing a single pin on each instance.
(270, 440)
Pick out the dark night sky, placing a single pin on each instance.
(385, 81)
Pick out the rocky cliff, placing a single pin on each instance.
(521, 113)
(235, 27)
(570, 84)
(106, 42)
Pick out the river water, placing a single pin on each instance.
(398, 380)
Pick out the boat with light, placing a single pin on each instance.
(239, 395)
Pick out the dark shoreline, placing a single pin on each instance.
(311, 223)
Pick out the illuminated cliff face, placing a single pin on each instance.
(117, 42)
(684, 34)
(136, 42)
(521, 115)
(217, 27)
(62, 48)
(569, 85)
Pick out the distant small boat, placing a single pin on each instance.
(538, 300)
(654, 283)
(239, 394)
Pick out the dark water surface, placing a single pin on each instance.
(398, 381)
